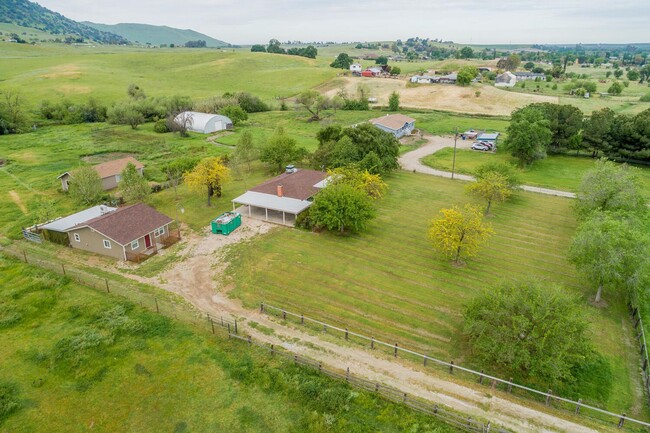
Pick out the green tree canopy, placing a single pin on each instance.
(610, 186)
(492, 187)
(529, 135)
(616, 88)
(133, 185)
(466, 53)
(465, 75)
(281, 150)
(86, 186)
(245, 152)
(313, 102)
(342, 61)
(234, 113)
(393, 102)
(341, 207)
(528, 330)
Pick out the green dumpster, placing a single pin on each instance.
(226, 223)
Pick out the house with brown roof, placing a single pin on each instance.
(397, 124)
(130, 233)
(109, 172)
(284, 197)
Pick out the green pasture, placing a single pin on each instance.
(78, 360)
(562, 172)
(390, 284)
(53, 72)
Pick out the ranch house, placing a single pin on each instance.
(109, 172)
(397, 124)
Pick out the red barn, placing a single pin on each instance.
(367, 74)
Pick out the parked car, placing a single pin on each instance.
(488, 144)
(479, 146)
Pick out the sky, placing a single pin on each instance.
(462, 21)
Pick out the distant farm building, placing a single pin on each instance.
(491, 137)
(524, 76)
(507, 79)
(355, 68)
(284, 197)
(397, 124)
(109, 172)
(203, 123)
(434, 79)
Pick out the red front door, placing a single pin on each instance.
(147, 241)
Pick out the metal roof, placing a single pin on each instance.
(490, 136)
(200, 120)
(65, 223)
(273, 202)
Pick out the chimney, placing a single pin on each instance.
(280, 191)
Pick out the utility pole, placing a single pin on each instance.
(453, 162)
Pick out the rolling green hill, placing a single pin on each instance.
(31, 15)
(156, 35)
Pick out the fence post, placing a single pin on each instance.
(510, 385)
(372, 342)
(212, 323)
(325, 329)
(578, 406)
(157, 308)
(63, 268)
(404, 398)
(425, 360)
(109, 290)
(229, 330)
(395, 351)
(621, 421)
(642, 348)
(295, 359)
(435, 408)
(284, 315)
(302, 319)
(236, 327)
(347, 374)
(222, 321)
(451, 367)
(320, 367)
(376, 387)
(25, 256)
(249, 340)
(480, 378)
(346, 333)
(548, 397)
(262, 307)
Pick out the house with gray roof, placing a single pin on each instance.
(397, 124)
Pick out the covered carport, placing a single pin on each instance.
(272, 208)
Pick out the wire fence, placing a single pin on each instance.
(395, 349)
(181, 311)
(643, 347)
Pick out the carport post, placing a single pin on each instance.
(267, 213)
(233, 206)
(249, 211)
(283, 219)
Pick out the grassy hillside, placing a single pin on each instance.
(156, 35)
(389, 283)
(45, 72)
(28, 14)
(74, 360)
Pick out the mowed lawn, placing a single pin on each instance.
(390, 284)
(81, 360)
(563, 172)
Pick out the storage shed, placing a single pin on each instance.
(226, 223)
(203, 123)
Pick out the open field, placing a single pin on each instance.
(85, 361)
(52, 72)
(390, 284)
(561, 172)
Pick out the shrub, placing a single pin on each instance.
(9, 401)
(234, 113)
(161, 126)
(645, 98)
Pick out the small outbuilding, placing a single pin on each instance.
(203, 123)
(507, 79)
(491, 137)
(397, 124)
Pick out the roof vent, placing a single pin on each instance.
(291, 169)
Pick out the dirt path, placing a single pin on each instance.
(411, 161)
(202, 257)
(16, 198)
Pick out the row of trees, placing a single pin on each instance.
(274, 48)
(540, 128)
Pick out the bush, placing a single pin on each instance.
(250, 103)
(161, 126)
(9, 401)
(234, 113)
(645, 98)
(356, 105)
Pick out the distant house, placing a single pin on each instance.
(203, 123)
(397, 124)
(507, 79)
(448, 79)
(284, 197)
(128, 233)
(355, 68)
(523, 76)
(434, 79)
(109, 172)
(376, 71)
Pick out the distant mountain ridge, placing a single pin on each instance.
(28, 14)
(156, 35)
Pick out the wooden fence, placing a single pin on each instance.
(395, 349)
(187, 314)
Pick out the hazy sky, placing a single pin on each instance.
(464, 21)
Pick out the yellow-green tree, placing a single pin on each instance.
(458, 233)
(209, 174)
(371, 184)
(492, 187)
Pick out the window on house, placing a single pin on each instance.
(107, 244)
(158, 232)
(77, 238)
(118, 177)
(135, 244)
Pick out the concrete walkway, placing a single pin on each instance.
(410, 161)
